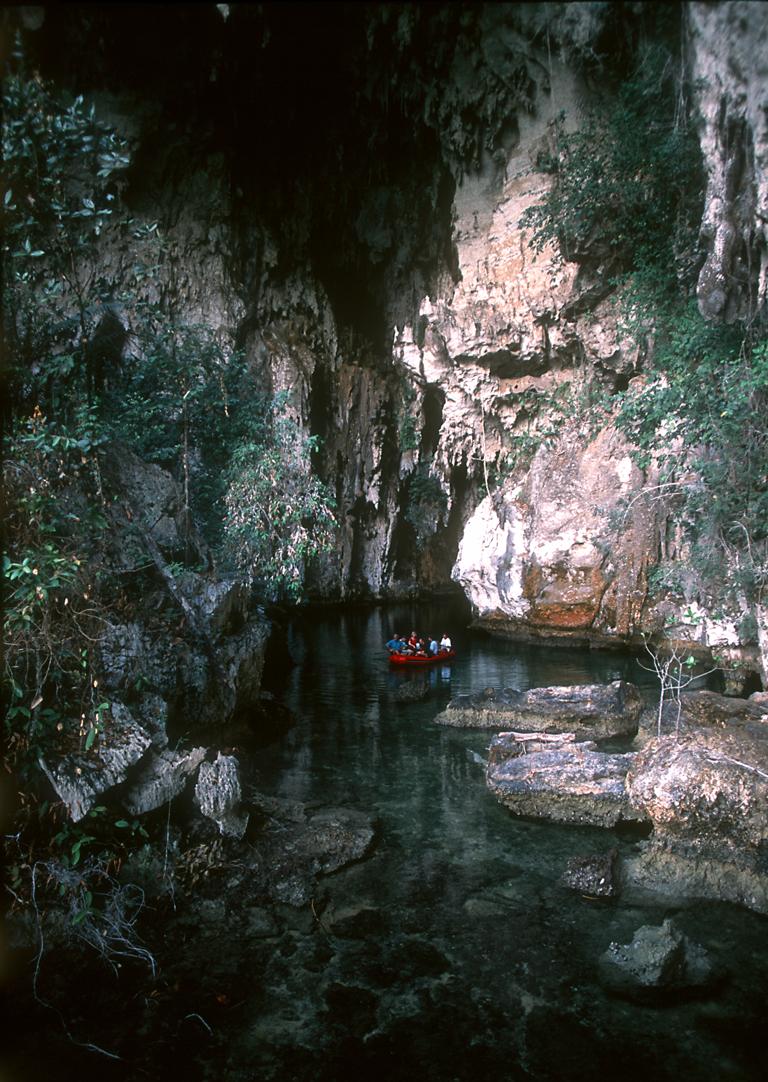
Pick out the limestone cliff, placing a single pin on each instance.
(340, 190)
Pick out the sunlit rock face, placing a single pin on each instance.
(566, 553)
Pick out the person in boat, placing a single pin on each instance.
(445, 642)
(433, 647)
(413, 641)
(394, 645)
(421, 649)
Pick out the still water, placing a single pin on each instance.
(453, 951)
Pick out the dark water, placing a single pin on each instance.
(454, 950)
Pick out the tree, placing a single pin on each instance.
(675, 672)
(60, 187)
(278, 515)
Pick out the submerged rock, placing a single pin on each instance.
(594, 876)
(659, 961)
(589, 711)
(704, 793)
(355, 920)
(411, 691)
(298, 849)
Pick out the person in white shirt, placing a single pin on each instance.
(445, 642)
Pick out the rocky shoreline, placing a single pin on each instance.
(697, 778)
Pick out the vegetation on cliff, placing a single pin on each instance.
(628, 197)
(96, 372)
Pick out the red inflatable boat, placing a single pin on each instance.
(411, 660)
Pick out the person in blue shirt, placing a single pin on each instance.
(394, 645)
(433, 647)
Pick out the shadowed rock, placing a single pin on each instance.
(296, 846)
(593, 875)
(81, 778)
(160, 777)
(218, 795)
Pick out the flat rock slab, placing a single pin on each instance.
(565, 782)
(589, 711)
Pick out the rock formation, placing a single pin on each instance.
(729, 45)
(463, 383)
(659, 962)
(564, 782)
(588, 712)
(701, 786)
(219, 795)
(189, 657)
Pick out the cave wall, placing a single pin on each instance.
(340, 190)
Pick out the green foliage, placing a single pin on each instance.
(702, 416)
(426, 502)
(518, 455)
(52, 613)
(198, 409)
(186, 402)
(278, 516)
(627, 191)
(628, 183)
(61, 167)
(182, 400)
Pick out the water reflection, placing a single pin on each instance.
(476, 960)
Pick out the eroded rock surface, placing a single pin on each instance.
(593, 876)
(79, 779)
(706, 795)
(703, 790)
(730, 61)
(160, 777)
(462, 382)
(589, 711)
(703, 709)
(219, 795)
(568, 782)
